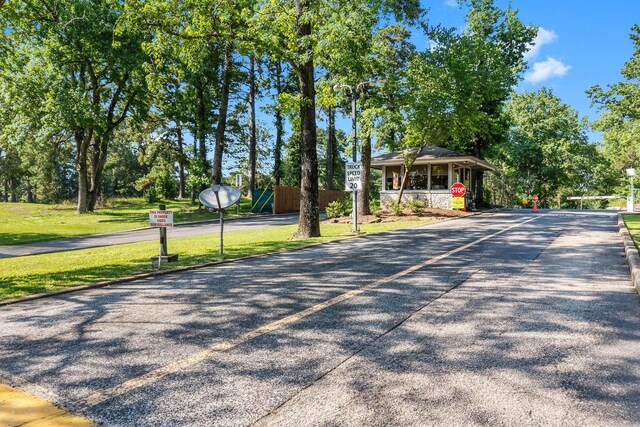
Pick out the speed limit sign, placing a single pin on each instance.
(353, 176)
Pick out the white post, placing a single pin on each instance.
(631, 202)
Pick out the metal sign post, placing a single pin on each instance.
(216, 190)
(631, 202)
(353, 91)
(217, 198)
(162, 219)
(163, 245)
(353, 182)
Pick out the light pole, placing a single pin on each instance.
(631, 204)
(354, 95)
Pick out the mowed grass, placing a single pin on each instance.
(22, 223)
(632, 222)
(48, 272)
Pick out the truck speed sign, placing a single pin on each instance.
(353, 176)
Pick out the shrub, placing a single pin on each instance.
(335, 209)
(347, 202)
(397, 209)
(150, 194)
(166, 185)
(415, 206)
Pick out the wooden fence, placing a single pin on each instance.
(287, 199)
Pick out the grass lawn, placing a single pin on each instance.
(42, 273)
(632, 222)
(27, 223)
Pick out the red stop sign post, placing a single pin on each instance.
(535, 203)
(458, 190)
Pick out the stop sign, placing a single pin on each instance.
(458, 190)
(535, 198)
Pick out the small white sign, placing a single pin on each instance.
(161, 218)
(353, 176)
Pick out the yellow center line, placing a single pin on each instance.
(152, 376)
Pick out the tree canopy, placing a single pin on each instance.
(163, 97)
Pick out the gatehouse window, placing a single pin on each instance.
(439, 177)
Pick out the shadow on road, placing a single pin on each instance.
(532, 317)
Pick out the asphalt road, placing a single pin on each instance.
(145, 235)
(498, 319)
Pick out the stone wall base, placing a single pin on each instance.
(430, 200)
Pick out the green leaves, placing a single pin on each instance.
(548, 150)
(459, 85)
(620, 118)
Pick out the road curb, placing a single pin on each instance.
(120, 280)
(631, 252)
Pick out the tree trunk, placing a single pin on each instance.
(479, 188)
(30, 198)
(252, 126)
(402, 183)
(195, 157)
(363, 195)
(181, 163)
(14, 188)
(277, 155)
(331, 145)
(216, 173)
(82, 145)
(5, 195)
(477, 176)
(409, 164)
(202, 123)
(309, 222)
(98, 161)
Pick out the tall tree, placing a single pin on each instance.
(498, 42)
(219, 25)
(547, 152)
(619, 121)
(252, 125)
(294, 37)
(94, 75)
(331, 146)
(279, 125)
(460, 83)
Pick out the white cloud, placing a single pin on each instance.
(543, 37)
(451, 3)
(546, 69)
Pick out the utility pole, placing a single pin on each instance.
(353, 91)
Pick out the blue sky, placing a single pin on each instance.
(581, 43)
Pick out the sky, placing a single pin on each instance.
(580, 43)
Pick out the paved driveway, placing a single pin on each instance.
(501, 319)
(146, 235)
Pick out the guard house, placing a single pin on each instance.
(430, 177)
